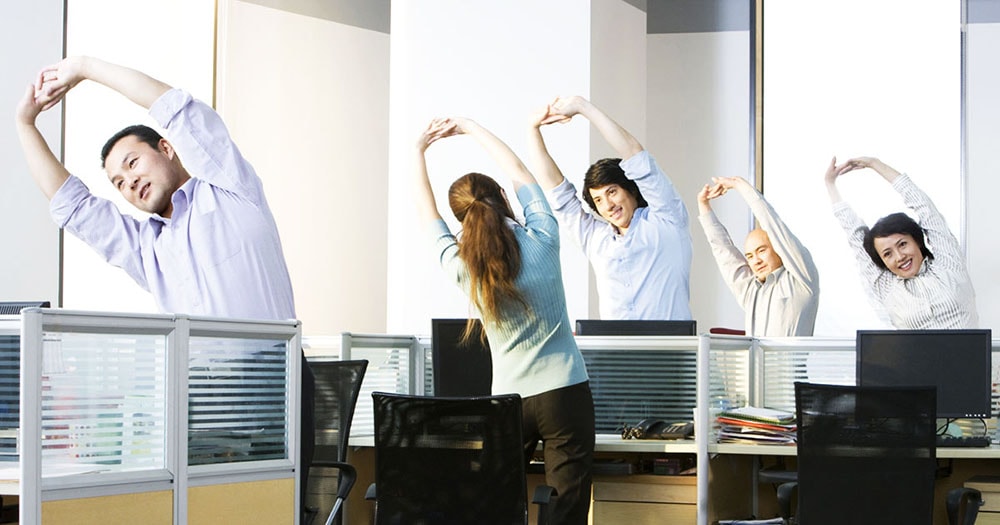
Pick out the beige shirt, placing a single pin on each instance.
(785, 303)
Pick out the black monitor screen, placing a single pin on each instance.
(636, 327)
(460, 369)
(957, 362)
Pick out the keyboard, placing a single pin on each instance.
(963, 441)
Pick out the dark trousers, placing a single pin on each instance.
(307, 437)
(563, 419)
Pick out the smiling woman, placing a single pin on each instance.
(917, 289)
(833, 84)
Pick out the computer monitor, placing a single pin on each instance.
(634, 327)
(957, 362)
(460, 368)
(15, 307)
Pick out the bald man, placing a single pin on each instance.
(774, 277)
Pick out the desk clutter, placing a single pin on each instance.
(756, 425)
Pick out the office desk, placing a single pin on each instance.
(958, 465)
(637, 496)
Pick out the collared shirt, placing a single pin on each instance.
(785, 303)
(941, 294)
(532, 351)
(645, 273)
(219, 253)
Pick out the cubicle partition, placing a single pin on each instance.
(157, 419)
(10, 372)
(673, 378)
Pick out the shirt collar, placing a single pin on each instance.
(179, 200)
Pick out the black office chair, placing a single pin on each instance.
(457, 460)
(865, 455)
(330, 477)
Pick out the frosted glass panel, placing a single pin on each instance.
(103, 401)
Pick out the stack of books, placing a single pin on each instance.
(763, 426)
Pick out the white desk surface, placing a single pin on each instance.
(991, 452)
(614, 443)
(604, 443)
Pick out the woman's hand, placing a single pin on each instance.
(437, 129)
(883, 169)
(568, 106)
(834, 170)
(546, 116)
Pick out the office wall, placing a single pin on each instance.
(982, 125)
(698, 115)
(491, 61)
(31, 36)
(618, 83)
(306, 97)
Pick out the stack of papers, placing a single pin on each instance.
(756, 425)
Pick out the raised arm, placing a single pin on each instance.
(887, 172)
(731, 262)
(422, 191)
(548, 173)
(57, 79)
(705, 196)
(833, 171)
(509, 163)
(45, 168)
(794, 255)
(618, 137)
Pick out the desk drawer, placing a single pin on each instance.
(647, 489)
(645, 499)
(635, 513)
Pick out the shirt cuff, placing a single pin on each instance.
(901, 181)
(66, 199)
(637, 165)
(168, 105)
(561, 193)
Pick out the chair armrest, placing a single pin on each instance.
(348, 475)
(370, 493)
(963, 505)
(786, 492)
(543, 495)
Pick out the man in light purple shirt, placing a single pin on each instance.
(210, 246)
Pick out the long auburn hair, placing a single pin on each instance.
(487, 246)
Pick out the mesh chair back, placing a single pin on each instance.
(865, 454)
(449, 460)
(337, 386)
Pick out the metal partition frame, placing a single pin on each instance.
(396, 363)
(177, 476)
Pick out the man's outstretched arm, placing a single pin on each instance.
(57, 79)
(624, 144)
